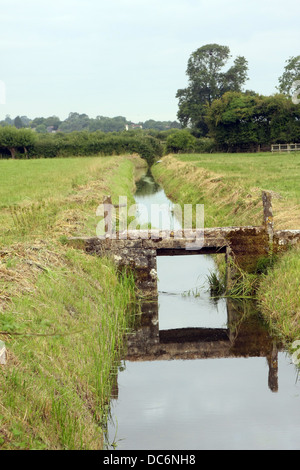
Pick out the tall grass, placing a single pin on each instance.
(230, 186)
(279, 295)
(64, 314)
(272, 171)
(63, 349)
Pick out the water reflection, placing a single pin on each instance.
(206, 388)
(243, 336)
(202, 373)
(146, 186)
(206, 404)
(149, 195)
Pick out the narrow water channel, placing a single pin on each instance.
(201, 374)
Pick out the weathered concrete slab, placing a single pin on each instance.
(209, 237)
(243, 247)
(284, 238)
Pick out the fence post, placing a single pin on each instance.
(268, 220)
(108, 215)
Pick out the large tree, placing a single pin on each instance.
(18, 123)
(208, 81)
(15, 140)
(290, 75)
(241, 120)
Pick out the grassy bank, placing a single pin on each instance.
(63, 314)
(230, 187)
(279, 296)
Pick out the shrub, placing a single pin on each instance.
(86, 143)
(205, 145)
(180, 141)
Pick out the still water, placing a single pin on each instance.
(201, 374)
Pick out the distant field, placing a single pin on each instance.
(230, 186)
(276, 172)
(56, 196)
(33, 180)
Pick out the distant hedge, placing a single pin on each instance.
(240, 120)
(14, 145)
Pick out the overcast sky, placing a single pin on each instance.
(129, 57)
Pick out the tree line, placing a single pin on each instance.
(82, 122)
(80, 135)
(25, 143)
(215, 113)
(214, 104)
(238, 121)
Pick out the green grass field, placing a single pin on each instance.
(63, 313)
(271, 171)
(230, 186)
(33, 180)
(48, 196)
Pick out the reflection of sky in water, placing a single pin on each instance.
(184, 300)
(207, 404)
(181, 312)
(157, 210)
(184, 275)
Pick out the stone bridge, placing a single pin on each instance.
(241, 246)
